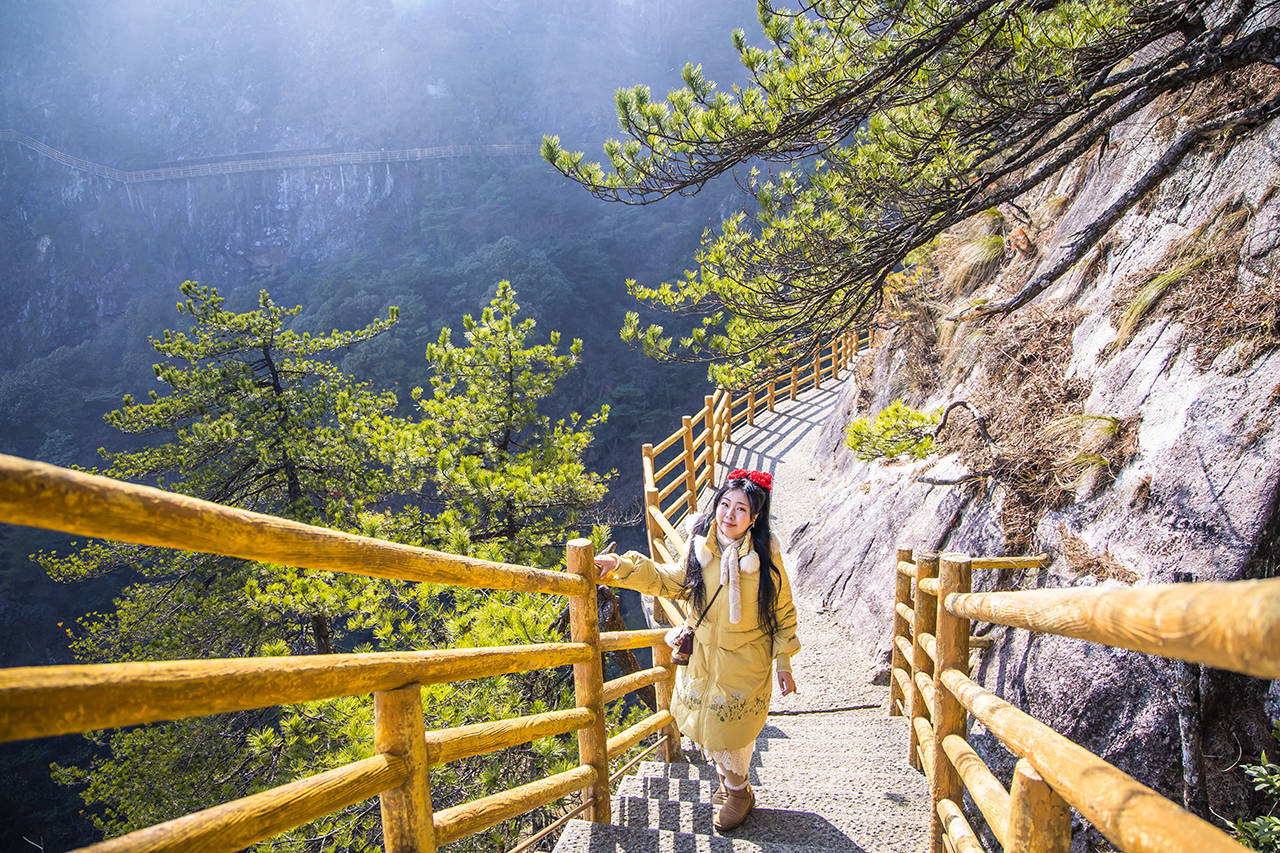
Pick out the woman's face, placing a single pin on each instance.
(733, 513)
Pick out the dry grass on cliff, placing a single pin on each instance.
(1197, 283)
(970, 254)
(1026, 391)
(1229, 92)
(1046, 450)
(1081, 560)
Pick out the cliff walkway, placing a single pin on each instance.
(843, 766)
(266, 162)
(829, 772)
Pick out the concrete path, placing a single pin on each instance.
(830, 770)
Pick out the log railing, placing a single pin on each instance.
(676, 469)
(52, 700)
(1233, 626)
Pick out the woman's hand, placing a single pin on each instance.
(786, 683)
(606, 563)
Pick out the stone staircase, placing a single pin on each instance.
(833, 782)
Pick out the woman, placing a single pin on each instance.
(732, 571)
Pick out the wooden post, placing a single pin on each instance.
(690, 476)
(948, 714)
(588, 678)
(835, 359)
(709, 421)
(817, 369)
(795, 380)
(728, 416)
(1039, 821)
(650, 496)
(406, 811)
(664, 689)
(901, 595)
(751, 407)
(773, 390)
(926, 621)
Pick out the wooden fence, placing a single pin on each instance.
(1233, 626)
(678, 467)
(54, 700)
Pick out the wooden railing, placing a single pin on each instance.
(678, 467)
(1230, 625)
(53, 700)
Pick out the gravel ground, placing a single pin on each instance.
(833, 669)
(830, 770)
(825, 751)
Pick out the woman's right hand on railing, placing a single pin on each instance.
(606, 563)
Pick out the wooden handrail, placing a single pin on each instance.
(988, 794)
(240, 823)
(666, 490)
(1231, 625)
(721, 411)
(667, 442)
(41, 495)
(679, 507)
(612, 641)
(667, 469)
(1132, 816)
(445, 745)
(621, 686)
(39, 701)
(676, 540)
(460, 821)
(628, 738)
(44, 701)
(1035, 561)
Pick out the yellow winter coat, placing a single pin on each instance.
(721, 698)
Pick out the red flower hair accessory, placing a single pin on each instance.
(760, 478)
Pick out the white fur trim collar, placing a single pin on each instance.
(707, 550)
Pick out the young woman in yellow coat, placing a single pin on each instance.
(732, 571)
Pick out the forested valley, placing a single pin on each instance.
(329, 288)
(345, 263)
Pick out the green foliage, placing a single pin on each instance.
(500, 467)
(890, 122)
(257, 417)
(896, 431)
(1262, 832)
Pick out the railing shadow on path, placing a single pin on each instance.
(765, 445)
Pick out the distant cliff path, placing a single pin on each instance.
(824, 751)
(267, 161)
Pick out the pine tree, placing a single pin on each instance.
(891, 121)
(510, 475)
(255, 418)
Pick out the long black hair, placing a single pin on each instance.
(761, 543)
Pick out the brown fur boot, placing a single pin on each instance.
(737, 805)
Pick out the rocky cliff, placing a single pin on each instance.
(1131, 411)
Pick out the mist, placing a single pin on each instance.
(89, 266)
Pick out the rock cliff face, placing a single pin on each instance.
(1132, 450)
(92, 245)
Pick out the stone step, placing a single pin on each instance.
(764, 825)
(581, 836)
(662, 788)
(677, 770)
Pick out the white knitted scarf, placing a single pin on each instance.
(736, 558)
